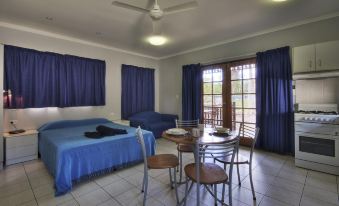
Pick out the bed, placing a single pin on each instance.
(70, 156)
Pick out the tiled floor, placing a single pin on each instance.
(277, 182)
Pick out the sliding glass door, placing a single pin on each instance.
(212, 96)
(243, 93)
(229, 94)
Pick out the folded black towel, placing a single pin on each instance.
(108, 131)
(93, 135)
(103, 131)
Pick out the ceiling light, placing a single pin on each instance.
(157, 40)
(279, 0)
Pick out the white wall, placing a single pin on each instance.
(317, 91)
(33, 118)
(1, 104)
(171, 68)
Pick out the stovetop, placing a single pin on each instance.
(317, 112)
(317, 118)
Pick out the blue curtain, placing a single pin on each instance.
(137, 90)
(34, 79)
(191, 92)
(85, 80)
(275, 115)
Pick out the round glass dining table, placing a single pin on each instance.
(206, 137)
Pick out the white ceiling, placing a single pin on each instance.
(212, 22)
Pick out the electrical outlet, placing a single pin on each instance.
(14, 121)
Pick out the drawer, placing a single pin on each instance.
(21, 141)
(21, 159)
(17, 152)
(314, 128)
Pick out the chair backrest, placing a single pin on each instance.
(141, 141)
(187, 123)
(227, 149)
(249, 132)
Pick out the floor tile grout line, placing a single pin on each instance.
(74, 198)
(124, 192)
(279, 187)
(275, 177)
(302, 193)
(108, 192)
(29, 182)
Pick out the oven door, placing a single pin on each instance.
(317, 148)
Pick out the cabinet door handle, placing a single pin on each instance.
(319, 62)
(310, 64)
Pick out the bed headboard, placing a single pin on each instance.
(72, 123)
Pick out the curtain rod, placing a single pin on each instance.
(227, 59)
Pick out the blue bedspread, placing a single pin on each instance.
(70, 156)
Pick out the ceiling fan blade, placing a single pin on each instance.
(128, 6)
(181, 7)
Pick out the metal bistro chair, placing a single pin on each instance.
(249, 132)
(211, 174)
(161, 161)
(185, 148)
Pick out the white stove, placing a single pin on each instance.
(317, 137)
(317, 118)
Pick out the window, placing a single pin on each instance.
(212, 96)
(243, 94)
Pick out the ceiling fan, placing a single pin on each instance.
(156, 13)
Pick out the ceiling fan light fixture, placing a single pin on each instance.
(157, 40)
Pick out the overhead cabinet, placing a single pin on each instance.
(316, 57)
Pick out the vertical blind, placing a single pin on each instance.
(35, 79)
(137, 90)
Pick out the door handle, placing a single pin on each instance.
(319, 62)
(310, 64)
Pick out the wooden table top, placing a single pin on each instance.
(205, 138)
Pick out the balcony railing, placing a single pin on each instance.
(212, 116)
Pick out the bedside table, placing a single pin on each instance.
(122, 122)
(21, 147)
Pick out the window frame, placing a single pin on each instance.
(242, 94)
(212, 94)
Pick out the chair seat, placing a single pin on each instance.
(228, 160)
(209, 173)
(162, 161)
(185, 148)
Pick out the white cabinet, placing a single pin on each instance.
(316, 57)
(304, 59)
(21, 147)
(327, 56)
